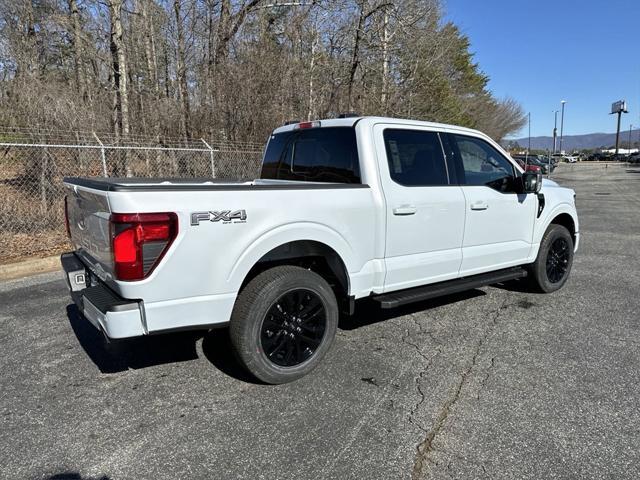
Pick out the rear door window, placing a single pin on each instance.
(327, 154)
(415, 158)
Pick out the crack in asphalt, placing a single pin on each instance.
(425, 447)
(486, 377)
(423, 371)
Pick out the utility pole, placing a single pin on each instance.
(555, 129)
(629, 151)
(562, 124)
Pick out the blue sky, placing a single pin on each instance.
(543, 51)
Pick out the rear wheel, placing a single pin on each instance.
(283, 323)
(551, 269)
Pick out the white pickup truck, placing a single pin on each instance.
(396, 210)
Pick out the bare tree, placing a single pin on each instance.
(121, 94)
(228, 25)
(181, 73)
(76, 40)
(235, 69)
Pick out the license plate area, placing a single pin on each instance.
(76, 274)
(79, 280)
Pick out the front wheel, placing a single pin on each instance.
(283, 323)
(552, 266)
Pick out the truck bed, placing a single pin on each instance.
(274, 213)
(136, 184)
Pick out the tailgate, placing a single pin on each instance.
(88, 211)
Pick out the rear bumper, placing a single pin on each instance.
(113, 315)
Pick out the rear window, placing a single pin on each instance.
(314, 155)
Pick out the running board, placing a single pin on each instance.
(411, 295)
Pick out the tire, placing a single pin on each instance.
(283, 323)
(552, 266)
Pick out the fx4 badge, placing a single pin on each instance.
(225, 216)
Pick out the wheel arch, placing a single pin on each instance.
(311, 254)
(567, 221)
(565, 215)
(315, 247)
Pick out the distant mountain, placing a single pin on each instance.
(577, 142)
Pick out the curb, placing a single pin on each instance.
(27, 268)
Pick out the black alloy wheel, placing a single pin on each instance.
(283, 323)
(558, 260)
(293, 328)
(551, 269)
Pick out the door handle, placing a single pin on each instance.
(405, 210)
(481, 205)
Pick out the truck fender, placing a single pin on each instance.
(562, 208)
(284, 234)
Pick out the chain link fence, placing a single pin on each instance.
(31, 173)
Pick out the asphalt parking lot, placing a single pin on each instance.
(493, 383)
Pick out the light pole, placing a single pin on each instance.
(629, 151)
(562, 124)
(529, 147)
(555, 130)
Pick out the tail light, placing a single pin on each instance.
(139, 242)
(66, 216)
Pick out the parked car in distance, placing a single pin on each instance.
(531, 160)
(599, 157)
(548, 161)
(396, 211)
(528, 167)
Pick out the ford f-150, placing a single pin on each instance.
(396, 210)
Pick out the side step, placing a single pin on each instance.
(411, 295)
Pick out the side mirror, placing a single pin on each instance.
(531, 182)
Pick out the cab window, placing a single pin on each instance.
(482, 165)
